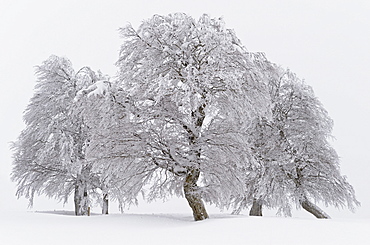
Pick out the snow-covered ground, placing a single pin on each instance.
(171, 222)
(62, 227)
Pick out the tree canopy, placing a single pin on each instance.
(49, 156)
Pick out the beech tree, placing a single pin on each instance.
(297, 164)
(49, 155)
(184, 100)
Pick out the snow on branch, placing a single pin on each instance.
(99, 88)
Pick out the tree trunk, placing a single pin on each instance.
(191, 189)
(305, 203)
(313, 209)
(193, 196)
(256, 209)
(80, 198)
(105, 203)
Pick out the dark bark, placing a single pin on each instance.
(191, 189)
(80, 198)
(256, 209)
(313, 209)
(105, 203)
(305, 203)
(193, 196)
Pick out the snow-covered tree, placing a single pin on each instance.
(109, 131)
(191, 113)
(185, 97)
(49, 155)
(297, 164)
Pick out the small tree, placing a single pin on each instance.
(49, 155)
(296, 161)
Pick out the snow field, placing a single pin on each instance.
(64, 228)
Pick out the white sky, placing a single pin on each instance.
(325, 42)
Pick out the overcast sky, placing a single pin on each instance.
(324, 42)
